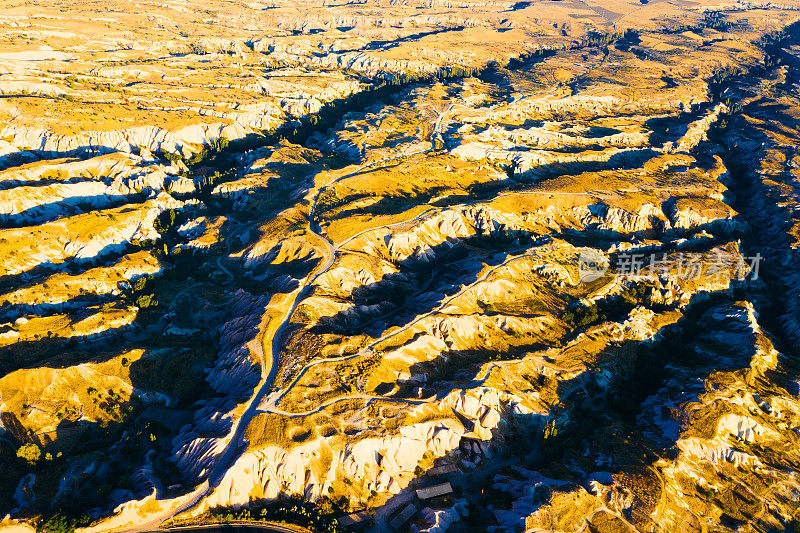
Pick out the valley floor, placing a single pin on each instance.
(262, 265)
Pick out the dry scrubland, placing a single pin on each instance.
(252, 250)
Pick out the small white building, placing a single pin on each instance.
(443, 470)
(355, 519)
(434, 491)
(403, 516)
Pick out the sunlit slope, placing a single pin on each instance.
(314, 250)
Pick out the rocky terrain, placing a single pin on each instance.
(543, 252)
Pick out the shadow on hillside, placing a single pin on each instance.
(423, 282)
(389, 44)
(66, 207)
(601, 426)
(672, 128)
(191, 304)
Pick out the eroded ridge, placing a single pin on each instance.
(547, 261)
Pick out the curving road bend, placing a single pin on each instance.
(234, 445)
(271, 404)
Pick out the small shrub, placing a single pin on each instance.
(146, 301)
(30, 453)
(58, 523)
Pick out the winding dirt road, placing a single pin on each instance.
(270, 361)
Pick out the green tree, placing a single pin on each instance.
(58, 523)
(30, 452)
